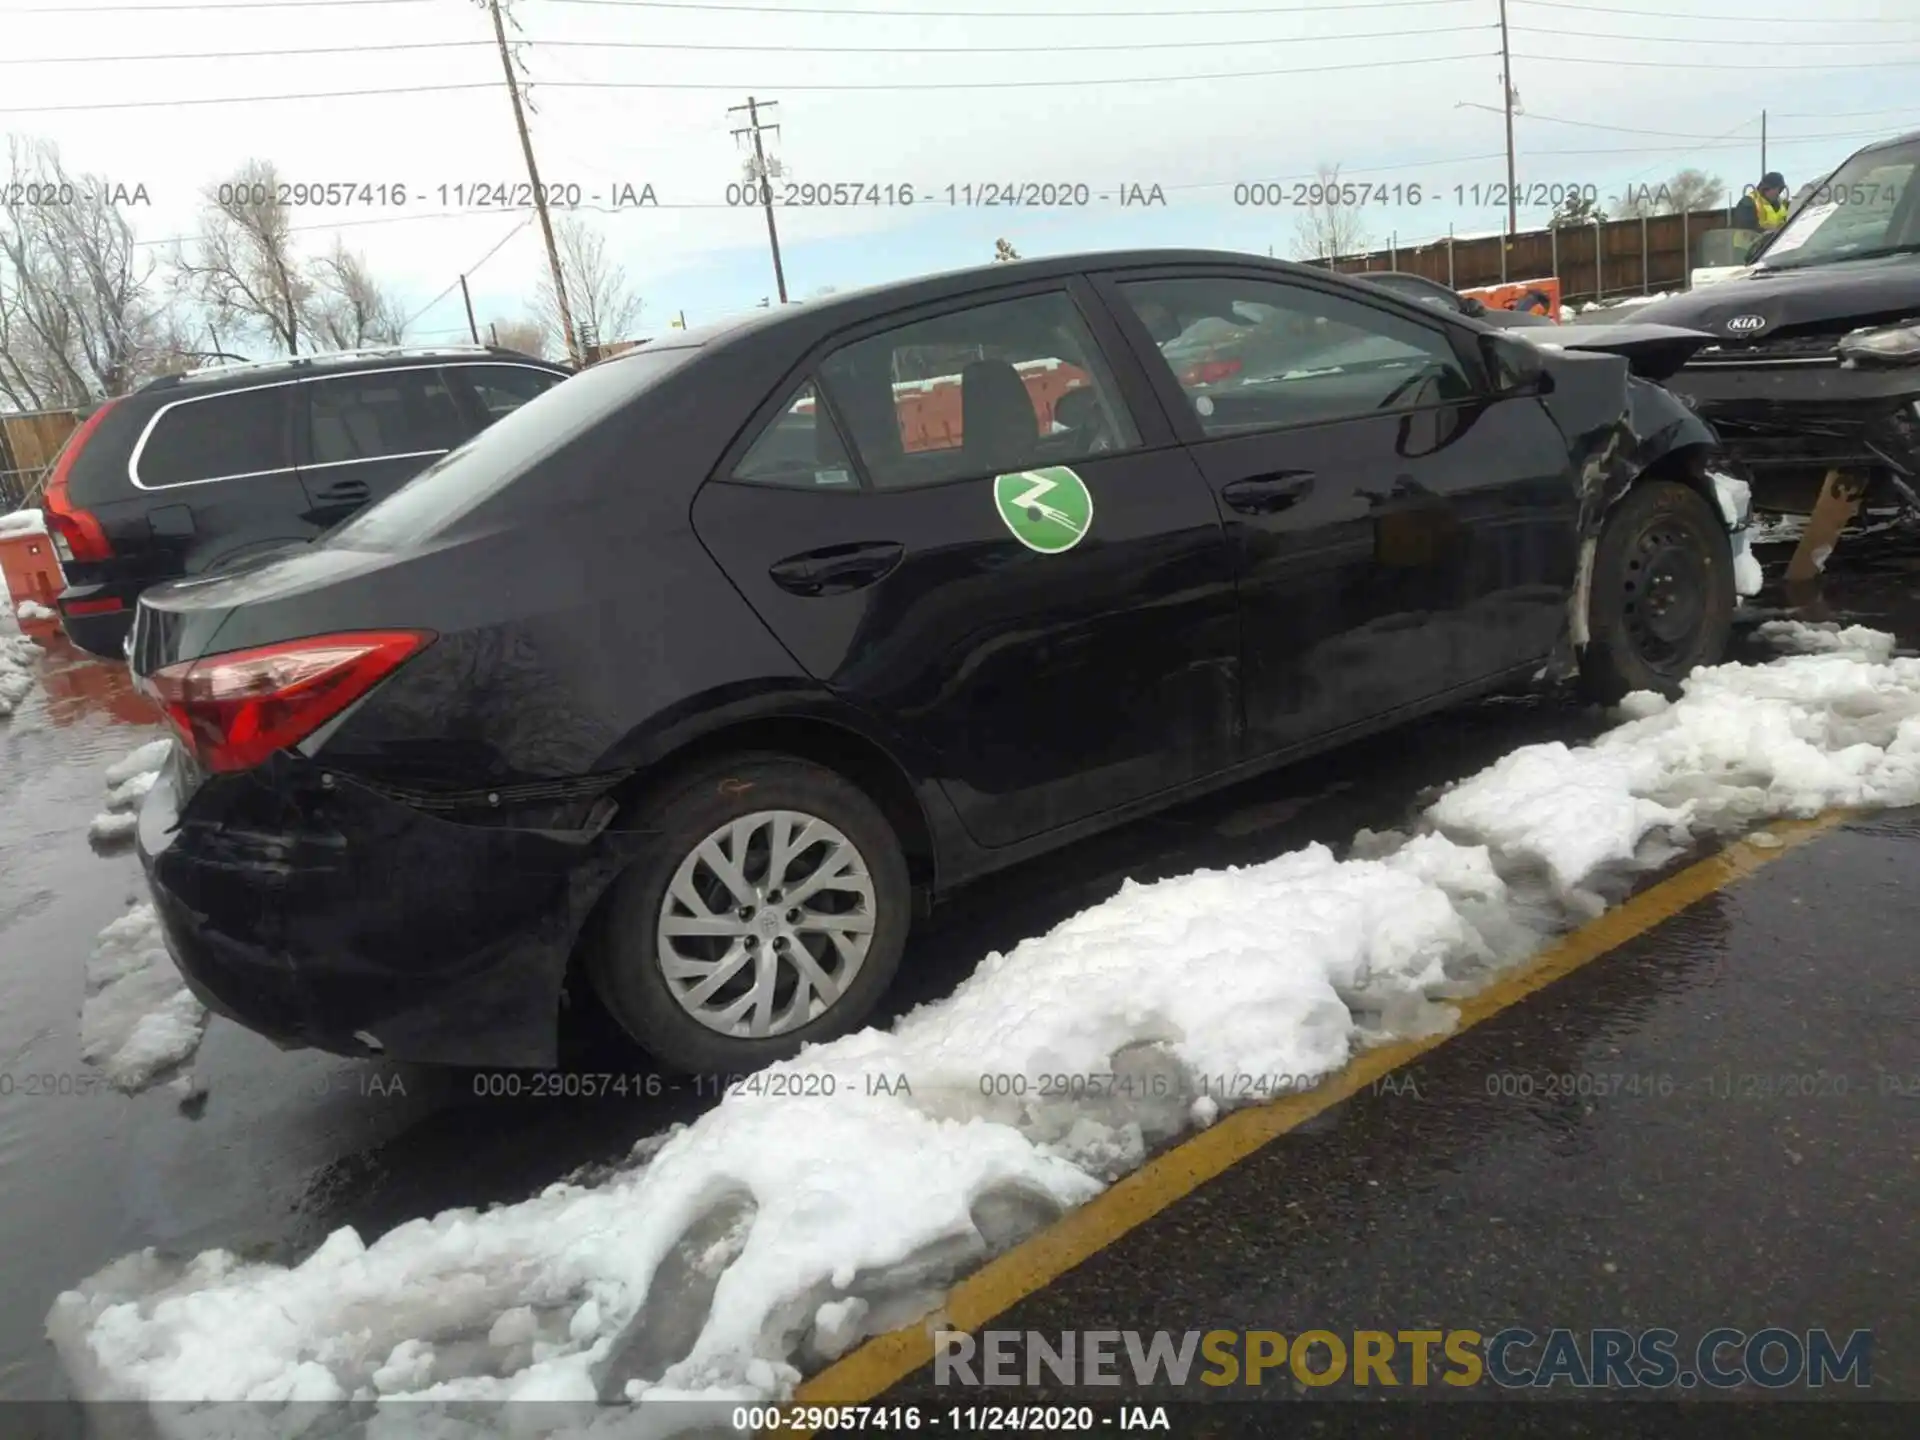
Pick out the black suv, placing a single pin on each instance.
(202, 470)
(1815, 360)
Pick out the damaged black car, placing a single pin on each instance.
(1812, 376)
(702, 676)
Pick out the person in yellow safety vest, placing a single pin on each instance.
(1764, 207)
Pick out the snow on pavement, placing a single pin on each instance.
(18, 658)
(138, 1022)
(781, 1227)
(128, 781)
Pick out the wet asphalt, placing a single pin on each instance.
(1456, 1205)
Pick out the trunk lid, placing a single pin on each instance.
(183, 620)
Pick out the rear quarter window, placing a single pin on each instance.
(460, 481)
(216, 437)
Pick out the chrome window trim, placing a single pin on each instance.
(140, 445)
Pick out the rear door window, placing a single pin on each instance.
(503, 389)
(1004, 386)
(218, 437)
(380, 415)
(800, 446)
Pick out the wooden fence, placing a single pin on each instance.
(1593, 262)
(28, 443)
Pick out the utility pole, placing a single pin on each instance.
(533, 176)
(1506, 86)
(758, 165)
(472, 329)
(1763, 142)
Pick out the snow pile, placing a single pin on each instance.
(128, 782)
(22, 522)
(776, 1231)
(32, 611)
(138, 1022)
(17, 660)
(1802, 637)
(145, 760)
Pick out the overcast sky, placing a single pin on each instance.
(633, 92)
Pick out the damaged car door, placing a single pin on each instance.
(1401, 532)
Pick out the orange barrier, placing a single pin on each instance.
(1540, 296)
(33, 573)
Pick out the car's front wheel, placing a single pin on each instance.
(1661, 595)
(768, 911)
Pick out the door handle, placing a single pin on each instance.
(837, 569)
(346, 490)
(1267, 494)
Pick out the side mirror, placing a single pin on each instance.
(1472, 305)
(1514, 366)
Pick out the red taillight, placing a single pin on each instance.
(77, 533)
(235, 710)
(1210, 372)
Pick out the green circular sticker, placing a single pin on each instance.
(1049, 510)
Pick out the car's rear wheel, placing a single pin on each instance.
(1661, 598)
(768, 911)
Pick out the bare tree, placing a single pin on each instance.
(1333, 225)
(347, 307)
(1684, 191)
(604, 305)
(81, 317)
(242, 265)
(1576, 209)
(528, 336)
(1003, 250)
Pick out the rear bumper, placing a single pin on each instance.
(346, 921)
(1789, 424)
(90, 624)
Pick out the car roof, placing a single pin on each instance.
(829, 312)
(334, 362)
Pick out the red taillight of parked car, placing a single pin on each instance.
(77, 534)
(1210, 372)
(235, 710)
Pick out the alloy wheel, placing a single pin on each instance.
(765, 923)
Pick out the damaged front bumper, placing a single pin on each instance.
(1788, 419)
(319, 912)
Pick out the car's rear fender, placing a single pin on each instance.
(791, 719)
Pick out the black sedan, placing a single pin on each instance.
(710, 669)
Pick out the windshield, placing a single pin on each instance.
(456, 483)
(1869, 206)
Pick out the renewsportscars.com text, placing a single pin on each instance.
(1771, 1358)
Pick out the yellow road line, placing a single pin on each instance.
(1009, 1278)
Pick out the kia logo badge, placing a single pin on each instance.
(1746, 324)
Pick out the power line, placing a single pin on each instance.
(1027, 49)
(731, 85)
(241, 54)
(1717, 65)
(993, 14)
(1742, 19)
(239, 99)
(1796, 42)
(734, 48)
(195, 5)
(470, 269)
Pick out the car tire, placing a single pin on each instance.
(1660, 599)
(741, 805)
